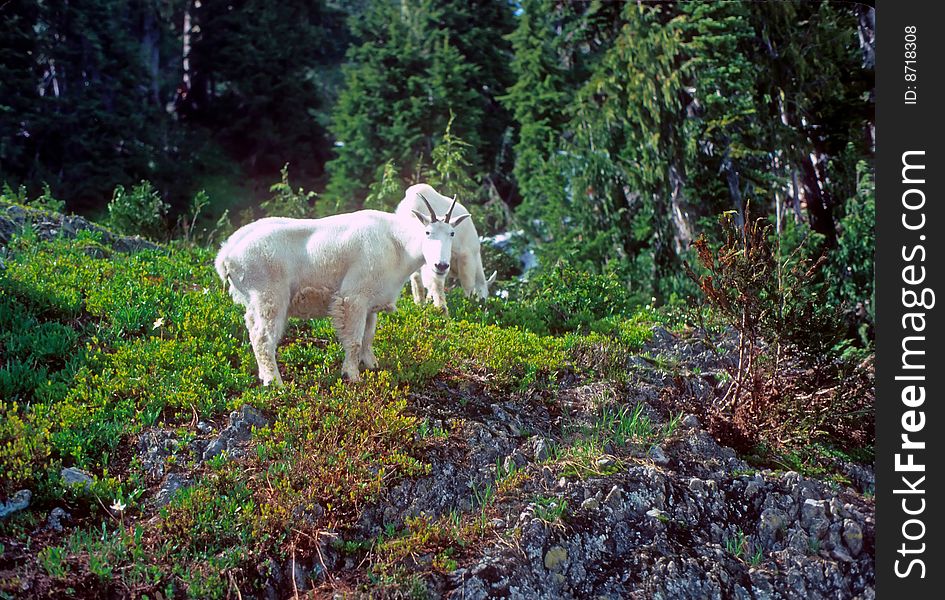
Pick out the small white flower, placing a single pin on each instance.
(119, 506)
(206, 290)
(158, 323)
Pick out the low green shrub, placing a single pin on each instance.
(139, 211)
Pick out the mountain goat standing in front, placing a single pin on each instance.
(349, 267)
(466, 259)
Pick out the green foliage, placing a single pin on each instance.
(560, 300)
(386, 191)
(550, 509)
(93, 94)
(286, 202)
(636, 120)
(737, 545)
(139, 211)
(417, 63)
(335, 448)
(450, 174)
(851, 265)
(45, 201)
(207, 235)
(134, 346)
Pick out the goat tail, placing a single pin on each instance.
(222, 270)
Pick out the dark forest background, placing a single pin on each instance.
(612, 135)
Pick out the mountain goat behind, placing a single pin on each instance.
(466, 259)
(348, 266)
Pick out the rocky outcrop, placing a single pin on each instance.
(684, 517)
(48, 225)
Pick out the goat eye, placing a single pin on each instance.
(452, 233)
(428, 233)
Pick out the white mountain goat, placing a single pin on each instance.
(466, 259)
(348, 266)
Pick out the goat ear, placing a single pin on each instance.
(459, 220)
(492, 277)
(423, 218)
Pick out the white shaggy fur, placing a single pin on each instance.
(348, 266)
(466, 259)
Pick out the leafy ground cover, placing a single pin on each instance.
(102, 348)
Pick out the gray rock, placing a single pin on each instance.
(540, 450)
(772, 526)
(216, 446)
(72, 476)
(814, 517)
(238, 431)
(19, 501)
(590, 504)
(657, 455)
(56, 517)
(172, 483)
(853, 536)
(154, 447)
(614, 498)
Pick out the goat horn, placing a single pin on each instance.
(449, 213)
(433, 218)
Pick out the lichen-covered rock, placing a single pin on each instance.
(236, 433)
(154, 447)
(72, 476)
(19, 501)
(56, 517)
(171, 484)
(49, 225)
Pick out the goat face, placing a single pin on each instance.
(438, 242)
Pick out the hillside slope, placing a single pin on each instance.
(482, 460)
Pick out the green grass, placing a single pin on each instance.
(737, 545)
(615, 426)
(550, 509)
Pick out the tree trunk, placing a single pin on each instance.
(682, 229)
(734, 191)
(819, 204)
(866, 27)
(150, 53)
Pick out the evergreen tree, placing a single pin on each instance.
(401, 84)
(677, 115)
(18, 77)
(252, 81)
(537, 99)
(91, 119)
